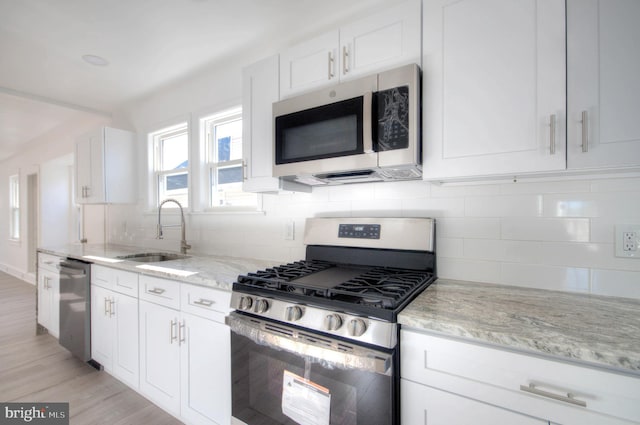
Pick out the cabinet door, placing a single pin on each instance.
(206, 371)
(260, 88)
(160, 356)
(309, 65)
(45, 299)
(90, 168)
(425, 405)
(125, 349)
(101, 327)
(383, 40)
(493, 87)
(603, 65)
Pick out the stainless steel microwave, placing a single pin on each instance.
(363, 130)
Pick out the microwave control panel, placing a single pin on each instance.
(393, 118)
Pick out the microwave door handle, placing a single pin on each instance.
(367, 138)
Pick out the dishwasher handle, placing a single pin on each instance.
(71, 269)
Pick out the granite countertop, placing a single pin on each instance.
(213, 271)
(602, 331)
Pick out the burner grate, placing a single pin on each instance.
(378, 287)
(381, 287)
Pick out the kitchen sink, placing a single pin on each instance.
(152, 257)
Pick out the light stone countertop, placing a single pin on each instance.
(213, 271)
(602, 331)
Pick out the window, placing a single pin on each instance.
(223, 134)
(171, 164)
(14, 207)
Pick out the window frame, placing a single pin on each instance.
(155, 138)
(211, 164)
(14, 208)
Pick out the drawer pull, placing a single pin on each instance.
(203, 302)
(531, 388)
(157, 291)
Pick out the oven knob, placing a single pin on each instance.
(357, 327)
(262, 305)
(332, 322)
(245, 303)
(293, 313)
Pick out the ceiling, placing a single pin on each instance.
(148, 44)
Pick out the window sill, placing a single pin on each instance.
(15, 242)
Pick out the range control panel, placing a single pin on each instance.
(359, 231)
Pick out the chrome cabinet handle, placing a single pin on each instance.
(106, 306)
(157, 291)
(112, 305)
(585, 131)
(569, 398)
(345, 59)
(173, 331)
(182, 333)
(330, 65)
(204, 303)
(45, 283)
(552, 134)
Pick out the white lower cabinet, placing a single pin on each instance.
(114, 319)
(423, 405)
(160, 356)
(481, 382)
(185, 354)
(49, 293)
(114, 326)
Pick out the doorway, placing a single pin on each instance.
(33, 209)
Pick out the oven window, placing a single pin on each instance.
(357, 397)
(323, 132)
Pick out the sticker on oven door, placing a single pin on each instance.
(304, 401)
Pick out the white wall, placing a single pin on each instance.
(48, 151)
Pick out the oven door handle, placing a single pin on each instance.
(337, 353)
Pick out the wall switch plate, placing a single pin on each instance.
(628, 240)
(289, 230)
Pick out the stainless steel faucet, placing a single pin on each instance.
(183, 242)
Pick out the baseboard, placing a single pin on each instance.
(20, 274)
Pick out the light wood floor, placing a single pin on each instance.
(37, 369)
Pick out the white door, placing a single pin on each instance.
(429, 406)
(312, 64)
(125, 353)
(101, 327)
(160, 356)
(381, 41)
(603, 65)
(493, 87)
(206, 371)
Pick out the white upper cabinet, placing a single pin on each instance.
(603, 69)
(493, 87)
(385, 39)
(260, 89)
(105, 167)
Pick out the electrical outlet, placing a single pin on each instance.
(628, 240)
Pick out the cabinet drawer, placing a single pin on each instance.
(160, 291)
(48, 261)
(120, 281)
(205, 302)
(530, 377)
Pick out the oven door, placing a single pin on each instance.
(284, 375)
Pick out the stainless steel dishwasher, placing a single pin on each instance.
(75, 307)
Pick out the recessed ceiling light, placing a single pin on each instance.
(95, 60)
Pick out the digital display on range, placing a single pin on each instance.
(359, 231)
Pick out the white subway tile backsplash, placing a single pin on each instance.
(504, 206)
(474, 270)
(615, 283)
(553, 235)
(556, 278)
(545, 229)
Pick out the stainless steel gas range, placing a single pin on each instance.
(315, 342)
